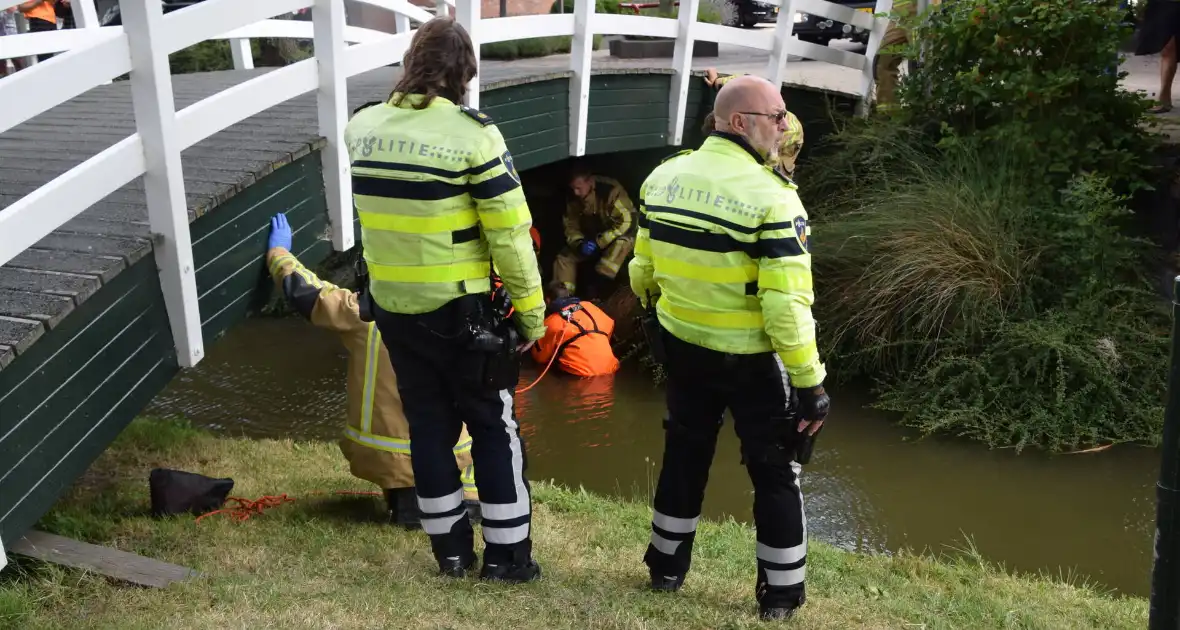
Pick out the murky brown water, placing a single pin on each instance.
(871, 486)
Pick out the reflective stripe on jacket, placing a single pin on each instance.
(580, 332)
(723, 241)
(377, 435)
(604, 215)
(438, 197)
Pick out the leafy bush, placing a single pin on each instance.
(533, 47)
(1037, 77)
(1058, 381)
(982, 301)
(206, 56)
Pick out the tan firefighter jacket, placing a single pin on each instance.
(376, 439)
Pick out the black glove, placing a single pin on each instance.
(813, 403)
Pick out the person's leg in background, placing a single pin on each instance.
(41, 26)
(614, 256)
(1167, 76)
(565, 269)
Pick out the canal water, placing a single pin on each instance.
(871, 486)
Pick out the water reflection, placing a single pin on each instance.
(870, 487)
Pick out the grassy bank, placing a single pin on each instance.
(327, 561)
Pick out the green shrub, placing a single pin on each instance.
(533, 47)
(1060, 381)
(920, 248)
(1036, 77)
(206, 56)
(983, 302)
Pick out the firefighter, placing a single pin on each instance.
(789, 147)
(376, 437)
(599, 224)
(579, 333)
(438, 198)
(722, 248)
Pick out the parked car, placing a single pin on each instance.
(747, 13)
(821, 30)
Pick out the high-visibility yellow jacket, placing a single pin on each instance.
(376, 438)
(438, 198)
(604, 215)
(723, 241)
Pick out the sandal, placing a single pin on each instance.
(1160, 109)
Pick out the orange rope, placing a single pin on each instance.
(556, 351)
(246, 508)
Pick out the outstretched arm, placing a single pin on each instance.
(323, 303)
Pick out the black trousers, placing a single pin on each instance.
(37, 25)
(438, 379)
(701, 385)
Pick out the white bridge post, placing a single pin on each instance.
(401, 23)
(880, 25)
(580, 57)
(467, 15)
(332, 98)
(681, 69)
(85, 15)
(239, 48)
(776, 69)
(155, 120)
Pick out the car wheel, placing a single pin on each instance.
(748, 21)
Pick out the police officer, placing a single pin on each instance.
(438, 198)
(723, 243)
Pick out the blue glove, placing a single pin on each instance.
(588, 248)
(280, 232)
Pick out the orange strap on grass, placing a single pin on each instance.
(246, 508)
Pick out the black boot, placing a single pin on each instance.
(666, 583)
(458, 566)
(403, 507)
(511, 573)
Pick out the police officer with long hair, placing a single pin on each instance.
(438, 198)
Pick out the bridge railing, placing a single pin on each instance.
(96, 55)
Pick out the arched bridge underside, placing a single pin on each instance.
(84, 334)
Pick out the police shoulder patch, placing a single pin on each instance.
(483, 119)
(801, 230)
(676, 155)
(366, 106)
(510, 166)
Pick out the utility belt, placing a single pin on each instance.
(480, 324)
(494, 339)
